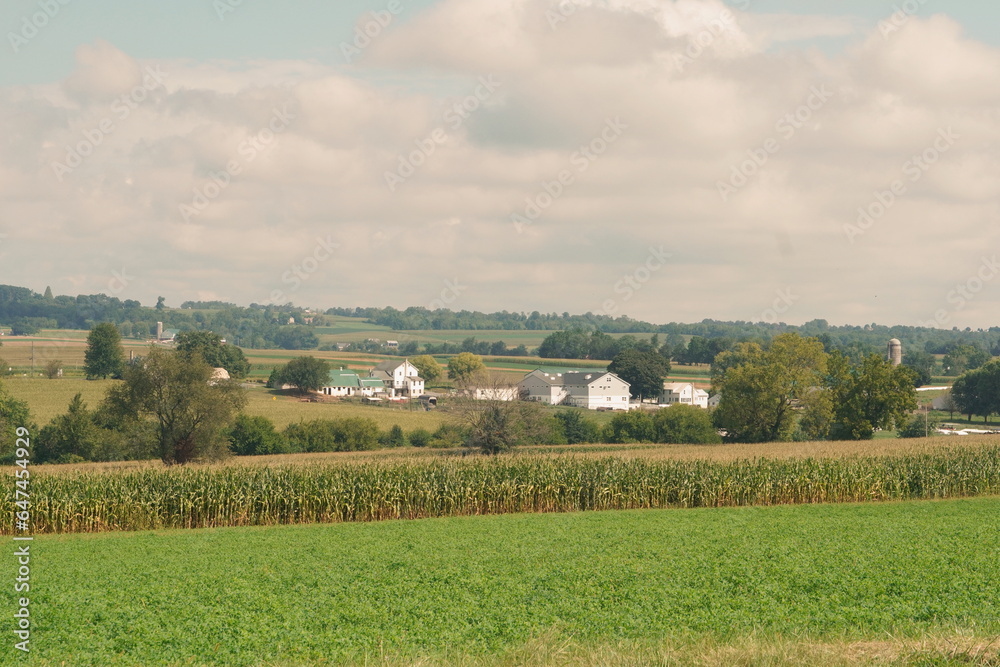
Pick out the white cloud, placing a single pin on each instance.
(686, 128)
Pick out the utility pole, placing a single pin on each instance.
(32, 358)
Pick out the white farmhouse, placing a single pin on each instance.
(683, 393)
(401, 378)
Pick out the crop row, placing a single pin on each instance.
(257, 495)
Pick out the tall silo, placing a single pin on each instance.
(895, 352)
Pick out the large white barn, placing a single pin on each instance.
(584, 389)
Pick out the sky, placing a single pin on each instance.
(666, 160)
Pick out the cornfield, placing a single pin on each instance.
(206, 497)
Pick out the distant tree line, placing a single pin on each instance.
(411, 348)
(959, 356)
(254, 327)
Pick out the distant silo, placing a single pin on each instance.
(895, 352)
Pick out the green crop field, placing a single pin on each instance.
(378, 488)
(913, 583)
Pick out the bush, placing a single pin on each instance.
(685, 424)
(275, 380)
(447, 436)
(394, 437)
(917, 427)
(420, 437)
(73, 433)
(348, 434)
(628, 427)
(577, 428)
(256, 436)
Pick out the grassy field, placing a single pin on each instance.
(283, 409)
(899, 583)
(50, 398)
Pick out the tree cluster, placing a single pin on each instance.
(794, 389)
(977, 392)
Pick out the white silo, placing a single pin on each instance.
(895, 352)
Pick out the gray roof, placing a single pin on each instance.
(389, 366)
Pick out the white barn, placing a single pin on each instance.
(597, 390)
(584, 389)
(543, 387)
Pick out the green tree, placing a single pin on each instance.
(631, 426)
(867, 396)
(427, 366)
(104, 356)
(684, 424)
(306, 374)
(346, 434)
(922, 363)
(394, 437)
(977, 392)
(919, 426)
(255, 436)
(759, 391)
(215, 353)
(160, 303)
(577, 428)
(192, 416)
(816, 416)
(963, 357)
(22, 326)
(420, 437)
(14, 414)
(296, 338)
(48, 294)
(644, 370)
(74, 434)
(464, 366)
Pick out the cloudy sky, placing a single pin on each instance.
(669, 160)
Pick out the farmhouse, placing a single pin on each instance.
(683, 393)
(347, 383)
(401, 378)
(592, 390)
